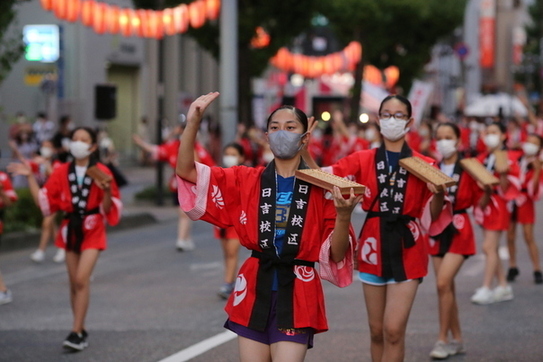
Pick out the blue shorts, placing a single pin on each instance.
(379, 281)
(272, 334)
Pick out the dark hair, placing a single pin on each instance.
(500, 125)
(64, 119)
(90, 131)
(300, 115)
(401, 99)
(41, 115)
(237, 146)
(454, 127)
(538, 137)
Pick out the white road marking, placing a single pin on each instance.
(201, 347)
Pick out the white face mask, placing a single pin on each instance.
(446, 147)
(370, 134)
(393, 129)
(229, 161)
(492, 140)
(46, 152)
(80, 149)
(530, 149)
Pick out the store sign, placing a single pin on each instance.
(42, 43)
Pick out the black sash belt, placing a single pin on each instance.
(74, 237)
(447, 235)
(269, 263)
(395, 236)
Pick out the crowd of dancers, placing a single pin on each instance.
(275, 301)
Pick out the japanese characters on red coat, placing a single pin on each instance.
(228, 197)
(496, 215)
(412, 194)
(465, 194)
(56, 195)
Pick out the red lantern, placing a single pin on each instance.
(142, 28)
(73, 7)
(155, 24)
(212, 9)
(87, 12)
(112, 19)
(197, 14)
(125, 25)
(59, 8)
(373, 75)
(98, 23)
(167, 21)
(181, 18)
(392, 74)
(46, 4)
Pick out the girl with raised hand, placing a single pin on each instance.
(277, 304)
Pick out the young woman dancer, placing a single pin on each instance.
(495, 217)
(277, 304)
(456, 243)
(524, 207)
(392, 255)
(88, 204)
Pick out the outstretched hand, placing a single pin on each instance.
(19, 169)
(345, 206)
(198, 107)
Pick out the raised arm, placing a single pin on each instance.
(185, 158)
(23, 169)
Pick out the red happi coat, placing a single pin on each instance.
(525, 201)
(55, 196)
(468, 194)
(167, 152)
(361, 167)
(9, 191)
(229, 197)
(496, 215)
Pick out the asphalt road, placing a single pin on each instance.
(149, 301)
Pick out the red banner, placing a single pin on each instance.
(487, 33)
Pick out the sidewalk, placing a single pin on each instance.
(135, 213)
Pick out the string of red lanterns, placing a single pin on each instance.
(312, 66)
(105, 18)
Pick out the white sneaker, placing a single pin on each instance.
(455, 347)
(38, 256)
(483, 295)
(440, 350)
(502, 294)
(5, 297)
(59, 256)
(185, 245)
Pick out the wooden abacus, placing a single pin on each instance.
(426, 172)
(98, 175)
(327, 181)
(502, 161)
(479, 172)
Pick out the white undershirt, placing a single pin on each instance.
(447, 169)
(80, 174)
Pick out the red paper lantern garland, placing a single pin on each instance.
(311, 66)
(105, 18)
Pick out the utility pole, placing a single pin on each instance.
(229, 70)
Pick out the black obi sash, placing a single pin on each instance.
(80, 195)
(269, 260)
(394, 229)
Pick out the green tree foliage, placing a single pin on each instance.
(393, 32)
(532, 50)
(11, 47)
